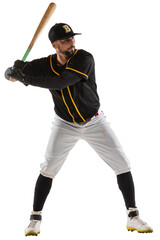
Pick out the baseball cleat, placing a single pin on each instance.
(33, 229)
(134, 223)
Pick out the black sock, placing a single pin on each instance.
(42, 189)
(126, 185)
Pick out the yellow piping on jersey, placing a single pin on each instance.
(75, 105)
(69, 89)
(77, 71)
(72, 56)
(61, 90)
(52, 66)
(67, 106)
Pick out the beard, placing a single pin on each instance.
(69, 52)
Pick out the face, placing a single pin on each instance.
(65, 47)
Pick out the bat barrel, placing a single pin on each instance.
(48, 13)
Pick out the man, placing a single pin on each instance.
(70, 77)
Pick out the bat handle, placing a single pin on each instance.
(23, 59)
(26, 55)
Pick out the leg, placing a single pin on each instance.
(103, 140)
(63, 138)
(42, 189)
(126, 185)
(61, 141)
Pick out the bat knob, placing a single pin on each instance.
(8, 74)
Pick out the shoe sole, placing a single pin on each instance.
(149, 230)
(32, 233)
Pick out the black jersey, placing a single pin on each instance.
(73, 85)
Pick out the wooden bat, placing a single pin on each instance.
(47, 15)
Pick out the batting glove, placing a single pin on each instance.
(15, 72)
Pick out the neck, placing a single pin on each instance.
(61, 59)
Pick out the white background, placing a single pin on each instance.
(84, 202)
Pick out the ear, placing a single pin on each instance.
(54, 45)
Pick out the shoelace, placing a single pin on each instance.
(140, 220)
(32, 224)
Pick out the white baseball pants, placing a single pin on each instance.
(96, 132)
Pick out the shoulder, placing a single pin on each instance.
(83, 53)
(43, 60)
(37, 65)
(81, 56)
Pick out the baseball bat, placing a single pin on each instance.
(47, 15)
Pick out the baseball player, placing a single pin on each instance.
(69, 74)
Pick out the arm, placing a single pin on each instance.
(39, 72)
(53, 82)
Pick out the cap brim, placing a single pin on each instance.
(69, 35)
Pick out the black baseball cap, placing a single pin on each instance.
(61, 31)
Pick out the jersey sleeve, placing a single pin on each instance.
(77, 68)
(36, 68)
